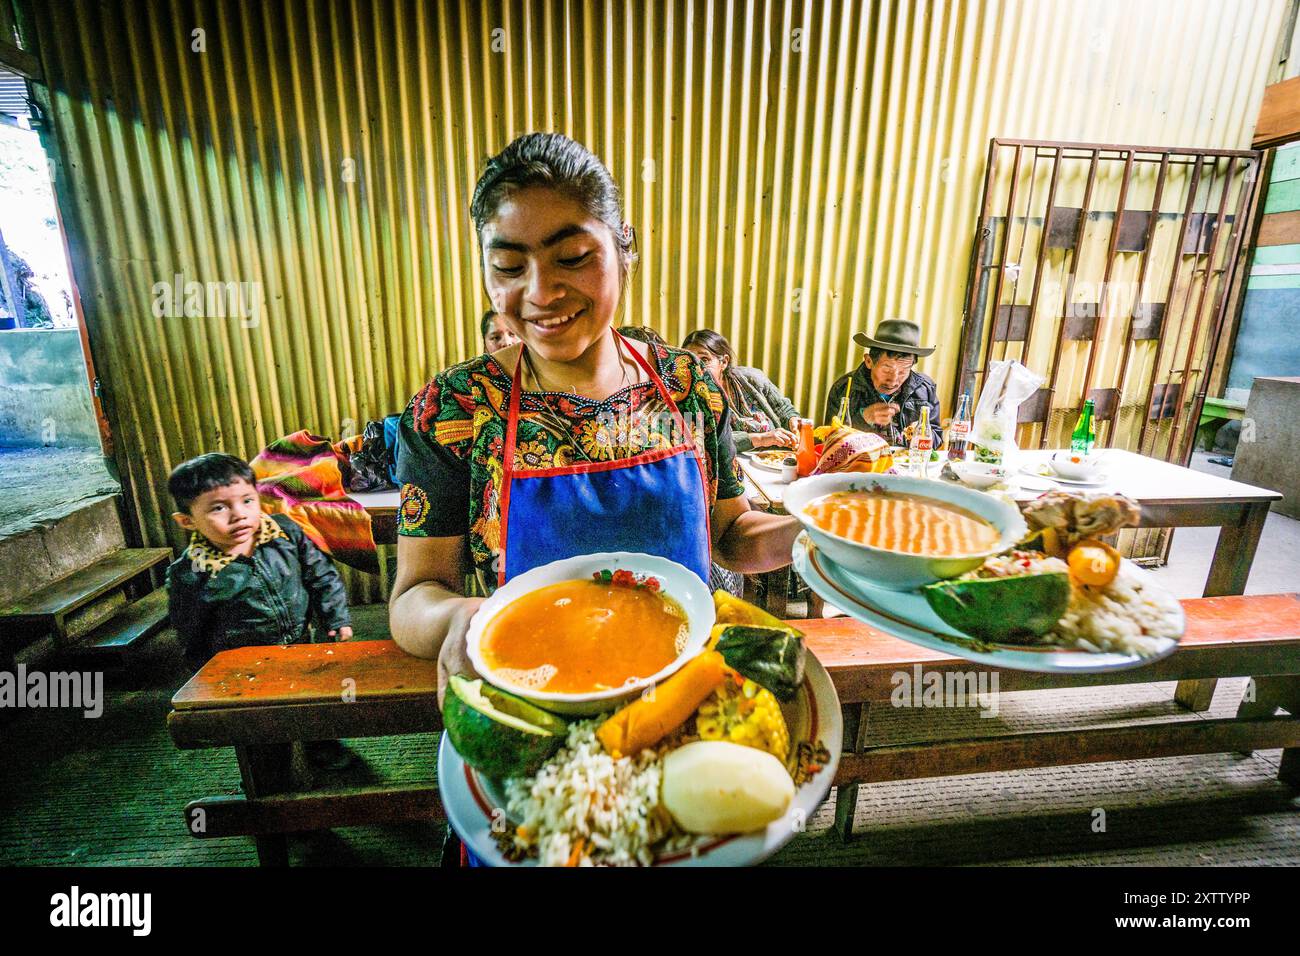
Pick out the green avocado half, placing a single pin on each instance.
(1013, 610)
(497, 733)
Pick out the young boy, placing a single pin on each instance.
(247, 577)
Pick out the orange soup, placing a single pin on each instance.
(908, 524)
(576, 637)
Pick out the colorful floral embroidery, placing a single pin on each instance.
(453, 432)
(461, 416)
(597, 438)
(533, 455)
(414, 509)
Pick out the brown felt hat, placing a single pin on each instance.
(895, 335)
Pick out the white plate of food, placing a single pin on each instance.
(769, 459)
(731, 754)
(1050, 596)
(909, 616)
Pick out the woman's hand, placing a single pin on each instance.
(453, 658)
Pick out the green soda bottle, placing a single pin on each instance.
(1085, 431)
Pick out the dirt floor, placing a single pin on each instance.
(41, 483)
(112, 790)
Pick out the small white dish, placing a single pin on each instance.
(975, 474)
(1073, 467)
(676, 581)
(1056, 479)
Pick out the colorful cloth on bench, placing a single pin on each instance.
(303, 476)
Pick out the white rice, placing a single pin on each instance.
(1127, 616)
(584, 793)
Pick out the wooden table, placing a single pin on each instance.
(382, 507)
(1171, 496)
(260, 700)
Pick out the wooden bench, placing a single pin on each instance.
(261, 699)
(71, 606)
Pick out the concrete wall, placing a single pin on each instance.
(1268, 455)
(55, 548)
(1268, 342)
(44, 394)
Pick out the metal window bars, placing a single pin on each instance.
(1127, 254)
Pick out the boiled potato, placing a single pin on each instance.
(712, 786)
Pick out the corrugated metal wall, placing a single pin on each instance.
(796, 171)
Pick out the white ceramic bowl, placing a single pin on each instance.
(977, 474)
(1086, 469)
(679, 583)
(891, 569)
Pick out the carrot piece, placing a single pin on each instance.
(576, 855)
(648, 720)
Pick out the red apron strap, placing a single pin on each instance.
(508, 463)
(658, 382)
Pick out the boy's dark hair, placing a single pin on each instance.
(192, 478)
(876, 353)
(485, 323)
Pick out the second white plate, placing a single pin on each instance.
(907, 615)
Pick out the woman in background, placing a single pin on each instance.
(763, 417)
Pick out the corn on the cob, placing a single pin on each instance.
(744, 713)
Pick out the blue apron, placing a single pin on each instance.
(656, 502)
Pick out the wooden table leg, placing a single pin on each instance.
(846, 797)
(1270, 694)
(1236, 551)
(778, 592)
(1228, 573)
(816, 606)
(266, 770)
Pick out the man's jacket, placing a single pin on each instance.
(916, 391)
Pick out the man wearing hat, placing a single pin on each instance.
(885, 393)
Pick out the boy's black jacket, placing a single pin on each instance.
(265, 598)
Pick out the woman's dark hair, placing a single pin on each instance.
(485, 323)
(192, 478)
(556, 162)
(717, 343)
(643, 333)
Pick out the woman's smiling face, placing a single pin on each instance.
(552, 271)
